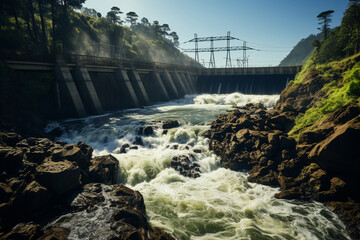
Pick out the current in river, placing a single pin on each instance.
(220, 204)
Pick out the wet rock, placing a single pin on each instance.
(132, 217)
(56, 233)
(124, 147)
(349, 213)
(126, 197)
(138, 141)
(29, 231)
(59, 177)
(88, 198)
(186, 165)
(168, 124)
(147, 130)
(104, 169)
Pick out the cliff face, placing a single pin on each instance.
(307, 145)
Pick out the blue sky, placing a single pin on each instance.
(272, 26)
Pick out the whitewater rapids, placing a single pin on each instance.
(220, 204)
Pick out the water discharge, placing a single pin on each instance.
(220, 204)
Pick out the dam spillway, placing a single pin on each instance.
(87, 85)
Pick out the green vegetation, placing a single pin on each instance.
(38, 29)
(333, 64)
(338, 92)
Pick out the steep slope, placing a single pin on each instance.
(301, 52)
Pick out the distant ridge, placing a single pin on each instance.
(301, 52)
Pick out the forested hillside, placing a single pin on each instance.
(38, 29)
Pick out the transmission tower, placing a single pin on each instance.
(196, 48)
(228, 57)
(196, 40)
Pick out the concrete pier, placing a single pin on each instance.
(170, 85)
(139, 87)
(127, 89)
(160, 86)
(87, 90)
(70, 100)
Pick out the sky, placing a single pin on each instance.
(272, 26)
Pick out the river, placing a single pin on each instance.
(220, 204)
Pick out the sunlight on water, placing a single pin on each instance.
(221, 204)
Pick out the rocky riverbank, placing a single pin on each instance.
(322, 165)
(41, 180)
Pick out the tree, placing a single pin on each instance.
(175, 38)
(145, 22)
(164, 29)
(351, 26)
(98, 15)
(113, 15)
(89, 11)
(325, 20)
(43, 25)
(131, 17)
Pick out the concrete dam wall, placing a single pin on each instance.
(91, 85)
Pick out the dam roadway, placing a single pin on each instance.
(86, 85)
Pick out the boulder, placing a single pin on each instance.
(168, 124)
(11, 159)
(9, 139)
(56, 233)
(88, 198)
(59, 177)
(131, 216)
(126, 197)
(79, 153)
(5, 193)
(104, 169)
(339, 153)
(29, 231)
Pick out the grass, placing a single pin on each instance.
(343, 86)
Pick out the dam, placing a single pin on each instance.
(88, 85)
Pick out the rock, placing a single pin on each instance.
(168, 124)
(132, 217)
(27, 204)
(126, 197)
(79, 153)
(186, 166)
(29, 231)
(9, 139)
(349, 213)
(59, 177)
(104, 169)
(147, 130)
(124, 147)
(10, 159)
(5, 193)
(88, 198)
(341, 149)
(56, 233)
(138, 141)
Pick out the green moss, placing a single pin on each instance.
(343, 87)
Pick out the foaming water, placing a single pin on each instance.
(220, 204)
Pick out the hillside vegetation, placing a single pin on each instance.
(38, 29)
(330, 79)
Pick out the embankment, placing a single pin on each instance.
(307, 145)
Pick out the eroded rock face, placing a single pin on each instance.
(60, 177)
(323, 165)
(104, 169)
